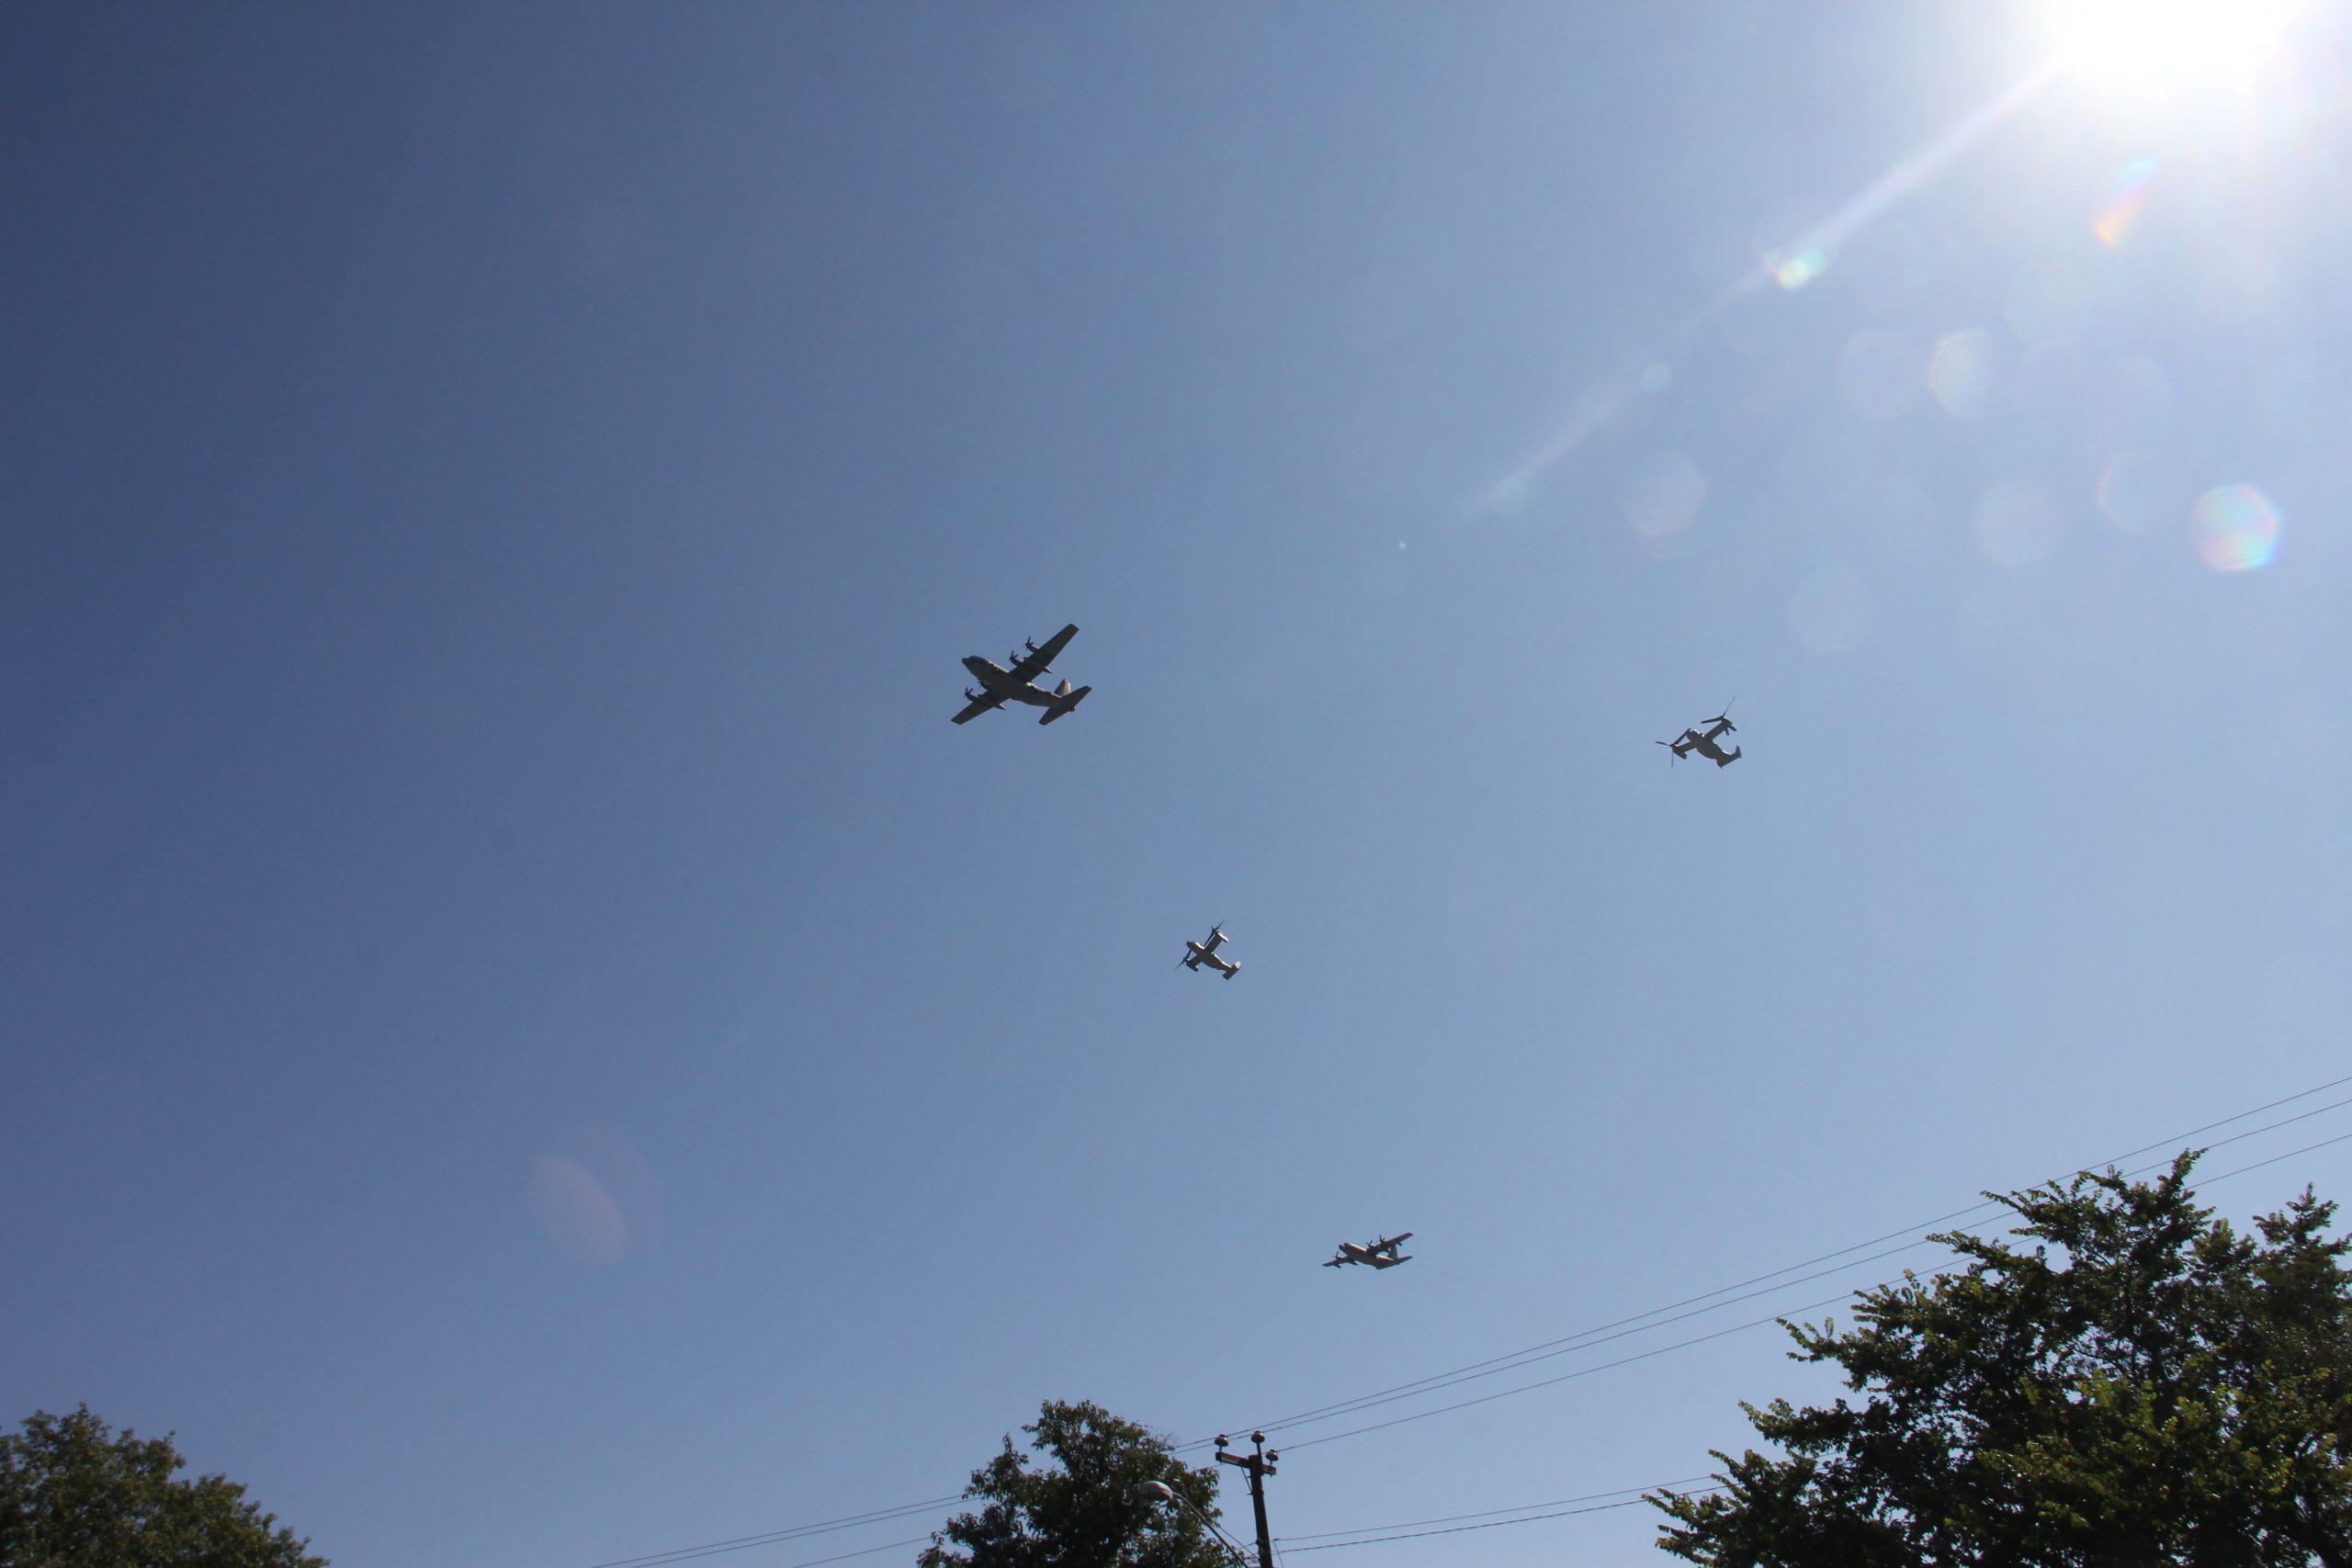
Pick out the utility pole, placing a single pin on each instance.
(1259, 1465)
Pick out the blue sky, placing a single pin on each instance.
(531, 1039)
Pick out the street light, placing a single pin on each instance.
(1160, 1491)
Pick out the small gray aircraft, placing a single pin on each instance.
(999, 685)
(1380, 1254)
(1706, 744)
(1199, 952)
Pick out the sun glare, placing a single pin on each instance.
(2168, 48)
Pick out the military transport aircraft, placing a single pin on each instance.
(1199, 952)
(1380, 1254)
(999, 686)
(1706, 745)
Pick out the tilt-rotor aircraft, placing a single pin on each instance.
(1380, 1254)
(999, 685)
(1199, 952)
(1706, 744)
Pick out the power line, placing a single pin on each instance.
(777, 1537)
(1490, 1513)
(2274, 1159)
(1529, 1354)
(1498, 1524)
(2239, 1137)
(688, 1553)
(1777, 1317)
(1592, 1338)
(1568, 1377)
(1592, 1502)
(1512, 1360)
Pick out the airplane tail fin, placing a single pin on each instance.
(1727, 760)
(1232, 970)
(1064, 701)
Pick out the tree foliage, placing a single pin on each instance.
(74, 1495)
(2144, 1386)
(1090, 1510)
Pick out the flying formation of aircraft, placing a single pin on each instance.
(1705, 744)
(1199, 952)
(1380, 1254)
(999, 685)
(1017, 684)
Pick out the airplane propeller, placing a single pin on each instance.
(1723, 717)
(1672, 756)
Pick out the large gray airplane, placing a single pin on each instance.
(1380, 1254)
(999, 685)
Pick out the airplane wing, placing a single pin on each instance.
(1389, 1244)
(1036, 664)
(978, 706)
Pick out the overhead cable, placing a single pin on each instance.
(685, 1555)
(1753, 1322)
(1490, 1513)
(1565, 1377)
(1538, 1351)
(776, 1537)
(1543, 1351)
(1498, 1524)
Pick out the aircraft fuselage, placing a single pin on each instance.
(997, 681)
(1706, 744)
(1200, 955)
(1380, 1254)
(1018, 683)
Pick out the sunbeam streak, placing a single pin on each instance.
(1790, 266)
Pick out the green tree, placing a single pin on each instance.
(2142, 1386)
(73, 1494)
(1092, 1511)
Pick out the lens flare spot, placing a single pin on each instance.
(1662, 495)
(2235, 529)
(1793, 269)
(572, 1207)
(2017, 523)
(1830, 611)
(2140, 490)
(2125, 195)
(1964, 372)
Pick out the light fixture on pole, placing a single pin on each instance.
(1161, 1492)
